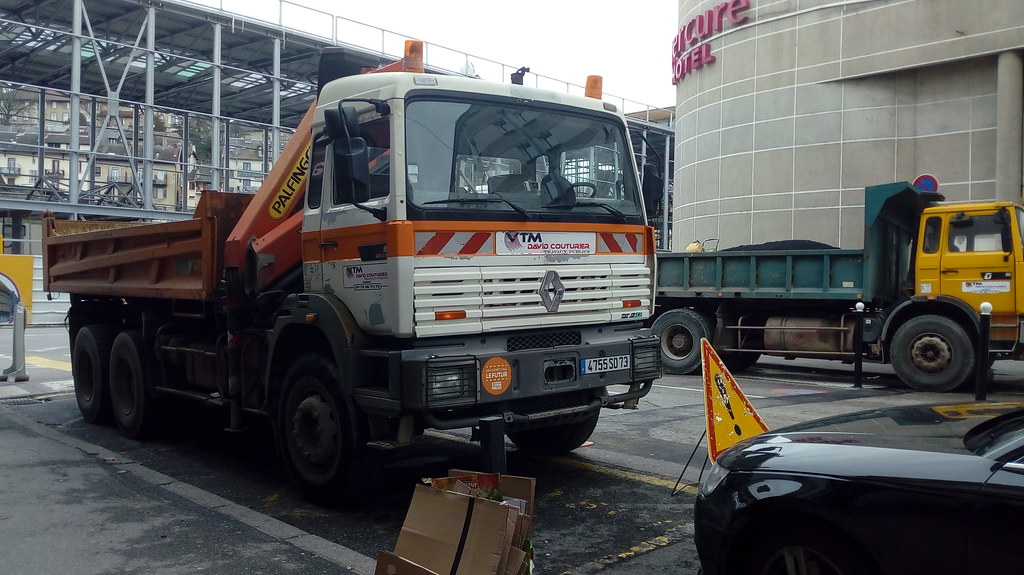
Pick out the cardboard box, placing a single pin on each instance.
(390, 564)
(455, 527)
(449, 532)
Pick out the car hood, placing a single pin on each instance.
(876, 443)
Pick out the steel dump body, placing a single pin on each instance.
(170, 260)
(768, 275)
(824, 276)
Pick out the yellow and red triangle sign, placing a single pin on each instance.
(730, 417)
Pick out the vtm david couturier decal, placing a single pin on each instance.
(545, 243)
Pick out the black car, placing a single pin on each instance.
(922, 489)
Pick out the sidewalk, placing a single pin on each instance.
(69, 507)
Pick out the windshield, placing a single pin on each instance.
(504, 162)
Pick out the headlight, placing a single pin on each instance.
(450, 382)
(646, 359)
(715, 477)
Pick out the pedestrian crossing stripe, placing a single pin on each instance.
(730, 416)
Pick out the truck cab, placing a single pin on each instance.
(483, 232)
(969, 254)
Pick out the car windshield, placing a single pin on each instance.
(997, 436)
(499, 161)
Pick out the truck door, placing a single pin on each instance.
(978, 261)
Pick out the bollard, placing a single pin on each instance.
(981, 357)
(17, 369)
(858, 345)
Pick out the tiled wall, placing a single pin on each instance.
(808, 102)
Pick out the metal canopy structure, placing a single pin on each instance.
(36, 49)
(113, 70)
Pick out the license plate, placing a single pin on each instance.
(599, 364)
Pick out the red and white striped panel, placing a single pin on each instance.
(454, 243)
(620, 243)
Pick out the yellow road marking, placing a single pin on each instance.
(630, 475)
(51, 363)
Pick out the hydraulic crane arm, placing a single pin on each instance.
(264, 244)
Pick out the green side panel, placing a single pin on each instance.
(772, 272)
(736, 273)
(809, 271)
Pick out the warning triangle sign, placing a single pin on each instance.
(730, 417)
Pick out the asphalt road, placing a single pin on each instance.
(608, 507)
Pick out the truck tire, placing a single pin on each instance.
(130, 375)
(314, 432)
(90, 370)
(738, 361)
(556, 439)
(932, 353)
(680, 331)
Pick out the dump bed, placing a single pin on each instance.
(796, 274)
(877, 273)
(172, 260)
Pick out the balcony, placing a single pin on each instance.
(9, 171)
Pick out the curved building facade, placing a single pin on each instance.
(787, 109)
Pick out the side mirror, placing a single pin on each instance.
(1002, 219)
(653, 190)
(351, 157)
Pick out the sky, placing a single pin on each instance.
(562, 39)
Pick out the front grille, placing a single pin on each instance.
(543, 340)
(502, 298)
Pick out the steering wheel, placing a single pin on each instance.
(592, 186)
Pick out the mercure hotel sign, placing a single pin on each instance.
(690, 50)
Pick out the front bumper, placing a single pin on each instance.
(528, 378)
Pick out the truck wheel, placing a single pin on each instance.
(90, 370)
(130, 365)
(681, 331)
(556, 439)
(314, 432)
(932, 353)
(738, 361)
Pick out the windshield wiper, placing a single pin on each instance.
(617, 213)
(488, 200)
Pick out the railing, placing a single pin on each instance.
(294, 15)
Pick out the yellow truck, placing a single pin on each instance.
(924, 271)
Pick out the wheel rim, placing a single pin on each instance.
(931, 353)
(677, 341)
(315, 431)
(800, 561)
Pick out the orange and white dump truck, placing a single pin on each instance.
(428, 252)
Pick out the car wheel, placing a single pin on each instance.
(805, 550)
(556, 439)
(315, 434)
(130, 376)
(90, 370)
(932, 353)
(680, 331)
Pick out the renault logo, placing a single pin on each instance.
(551, 291)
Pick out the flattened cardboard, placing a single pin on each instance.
(449, 533)
(511, 486)
(390, 564)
